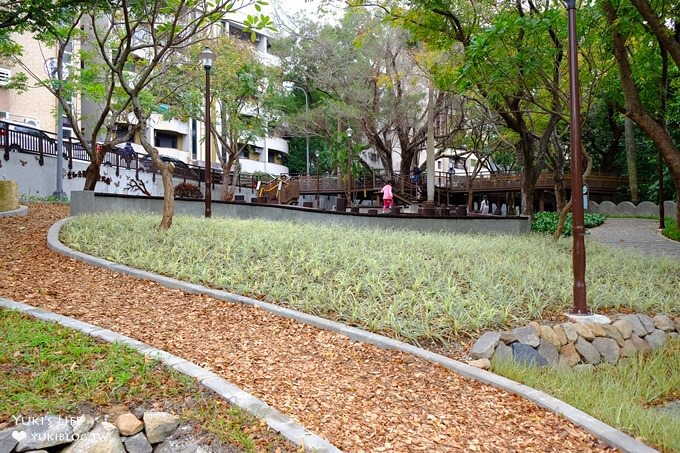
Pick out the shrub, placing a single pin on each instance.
(546, 222)
(671, 230)
(186, 190)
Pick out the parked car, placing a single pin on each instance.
(18, 137)
(147, 164)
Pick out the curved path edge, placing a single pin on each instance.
(281, 423)
(599, 429)
(20, 211)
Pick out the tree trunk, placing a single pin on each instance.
(528, 178)
(92, 175)
(227, 194)
(168, 198)
(560, 191)
(237, 173)
(631, 158)
(676, 180)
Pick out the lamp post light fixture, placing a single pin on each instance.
(207, 57)
(349, 166)
(578, 229)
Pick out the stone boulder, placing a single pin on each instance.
(44, 432)
(103, 438)
(484, 347)
(159, 425)
(526, 355)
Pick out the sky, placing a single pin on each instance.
(288, 8)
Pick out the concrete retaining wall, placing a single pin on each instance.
(88, 202)
(646, 208)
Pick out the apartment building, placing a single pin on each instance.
(180, 139)
(35, 107)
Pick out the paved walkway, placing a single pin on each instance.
(636, 235)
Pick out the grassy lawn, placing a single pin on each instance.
(47, 368)
(624, 396)
(418, 287)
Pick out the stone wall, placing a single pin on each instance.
(89, 202)
(123, 432)
(569, 344)
(646, 208)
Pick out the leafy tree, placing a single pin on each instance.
(510, 57)
(241, 93)
(370, 77)
(132, 54)
(644, 38)
(40, 17)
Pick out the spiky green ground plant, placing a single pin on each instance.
(409, 285)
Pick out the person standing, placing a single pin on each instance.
(485, 205)
(415, 174)
(128, 154)
(388, 201)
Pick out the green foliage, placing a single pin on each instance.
(187, 190)
(410, 285)
(671, 230)
(546, 222)
(625, 395)
(45, 198)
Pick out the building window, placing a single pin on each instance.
(165, 140)
(194, 141)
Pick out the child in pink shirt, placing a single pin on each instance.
(387, 197)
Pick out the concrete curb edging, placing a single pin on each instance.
(288, 428)
(599, 429)
(20, 211)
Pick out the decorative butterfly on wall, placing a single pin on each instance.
(23, 162)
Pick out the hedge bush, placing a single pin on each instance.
(546, 222)
(186, 190)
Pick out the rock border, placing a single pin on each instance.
(584, 341)
(279, 422)
(599, 429)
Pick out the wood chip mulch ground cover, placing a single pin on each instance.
(357, 396)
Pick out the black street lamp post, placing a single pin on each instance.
(578, 230)
(349, 166)
(207, 57)
(316, 154)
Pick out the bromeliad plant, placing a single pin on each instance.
(409, 285)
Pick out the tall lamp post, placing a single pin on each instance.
(206, 57)
(53, 72)
(349, 166)
(578, 229)
(662, 220)
(316, 154)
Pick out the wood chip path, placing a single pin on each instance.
(359, 397)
